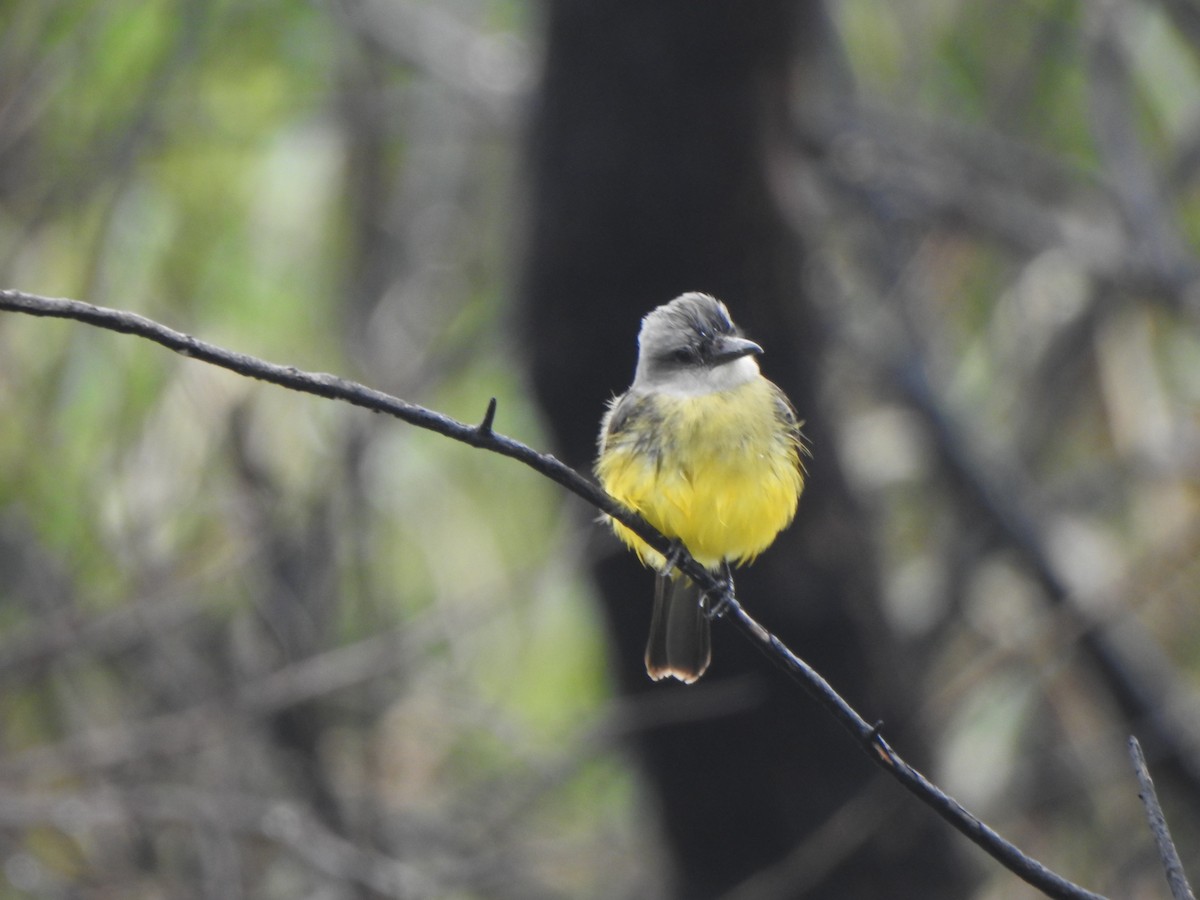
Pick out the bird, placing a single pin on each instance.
(709, 452)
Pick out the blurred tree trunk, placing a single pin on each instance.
(652, 142)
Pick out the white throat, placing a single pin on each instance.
(698, 380)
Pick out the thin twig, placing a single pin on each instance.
(873, 744)
(1172, 865)
(1005, 508)
(167, 734)
(482, 436)
(281, 823)
(331, 386)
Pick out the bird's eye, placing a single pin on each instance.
(683, 355)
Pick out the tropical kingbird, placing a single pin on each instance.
(707, 450)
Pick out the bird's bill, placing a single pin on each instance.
(731, 348)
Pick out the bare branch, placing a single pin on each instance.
(65, 632)
(878, 749)
(482, 436)
(331, 386)
(998, 189)
(1004, 507)
(1172, 865)
(432, 40)
(281, 823)
(176, 732)
(1130, 172)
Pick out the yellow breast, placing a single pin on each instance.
(720, 472)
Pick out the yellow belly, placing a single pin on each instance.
(721, 473)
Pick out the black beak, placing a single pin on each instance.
(727, 349)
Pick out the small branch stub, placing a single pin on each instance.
(489, 418)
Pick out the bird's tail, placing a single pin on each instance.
(680, 645)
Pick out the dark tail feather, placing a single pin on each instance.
(679, 645)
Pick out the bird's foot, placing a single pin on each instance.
(717, 602)
(673, 556)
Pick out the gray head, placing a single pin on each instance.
(690, 346)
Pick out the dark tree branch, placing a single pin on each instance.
(1005, 508)
(482, 436)
(280, 823)
(104, 747)
(1172, 865)
(873, 744)
(995, 492)
(331, 386)
(999, 190)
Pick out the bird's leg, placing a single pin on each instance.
(674, 554)
(716, 602)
